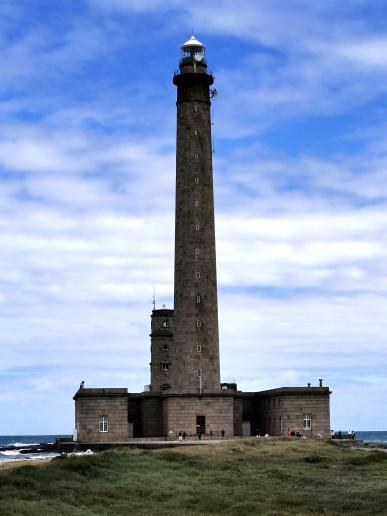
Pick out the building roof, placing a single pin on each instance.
(192, 42)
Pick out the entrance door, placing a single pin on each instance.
(201, 424)
(246, 425)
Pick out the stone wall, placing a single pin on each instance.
(90, 406)
(274, 412)
(180, 414)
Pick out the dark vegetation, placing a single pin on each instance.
(246, 477)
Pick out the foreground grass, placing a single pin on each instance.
(246, 477)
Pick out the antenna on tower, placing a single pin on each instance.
(154, 298)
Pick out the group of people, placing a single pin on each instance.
(339, 435)
(182, 436)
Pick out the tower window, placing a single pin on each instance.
(197, 227)
(195, 109)
(103, 423)
(196, 156)
(165, 366)
(165, 324)
(198, 298)
(165, 347)
(197, 250)
(196, 204)
(307, 422)
(199, 373)
(196, 180)
(198, 323)
(197, 275)
(165, 387)
(199, 348)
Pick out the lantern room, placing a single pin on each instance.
(193, 53)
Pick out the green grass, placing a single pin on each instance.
(243, 477)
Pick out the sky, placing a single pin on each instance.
(87, 173)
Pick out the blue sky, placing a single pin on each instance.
(87, 146)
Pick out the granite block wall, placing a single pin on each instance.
(88, 412)
(180, 414)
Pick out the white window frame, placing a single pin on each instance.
(103, 424)
(307, 420)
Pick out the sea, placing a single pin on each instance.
(371, 437)
(26, 440)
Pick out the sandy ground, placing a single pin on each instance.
(8, 464)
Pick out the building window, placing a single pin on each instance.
(197, 250)
(103, 423)
(199, 373)
(195, 132)
(165, 347)
(195, 109)
(197, 227)
(198, 298)
(165, 366)
(196, 180)
(165, 324)
(196, 204)
(165, 387)
(307, 422)
(199, 348)
(196, 156)
(198, 323)
(197, 275)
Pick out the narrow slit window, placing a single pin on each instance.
(197, 275)
(199, 348)
(198, 323)
(197, 250)
(197, 227)
(196, 180)
(199, 373)
(195, 132)
(198, 298)
(196, 156)
(196, 204)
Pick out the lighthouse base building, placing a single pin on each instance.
(186, 395)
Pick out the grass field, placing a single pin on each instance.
(243, 477)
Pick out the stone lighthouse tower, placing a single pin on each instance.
(196, 340)
(188, 362)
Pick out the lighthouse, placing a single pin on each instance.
(196, 338)
(185, 395)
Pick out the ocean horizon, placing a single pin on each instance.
(370, 436)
